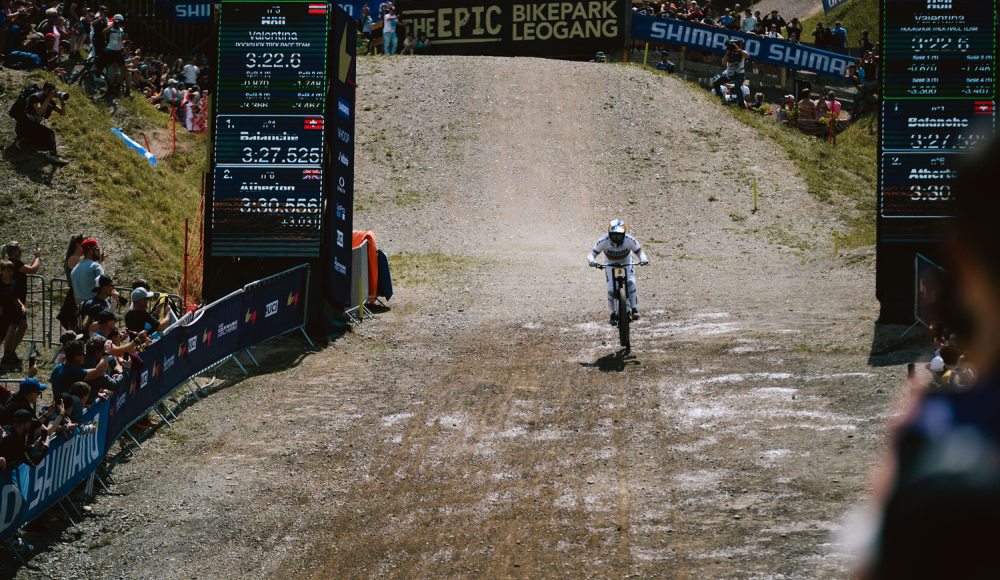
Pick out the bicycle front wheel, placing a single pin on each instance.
(624, 318)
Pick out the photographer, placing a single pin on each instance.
(735, 61)
(29, 128)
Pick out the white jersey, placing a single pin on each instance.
(617, 252)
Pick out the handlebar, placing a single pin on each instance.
(600, 266)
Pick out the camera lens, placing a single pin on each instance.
(63, 96)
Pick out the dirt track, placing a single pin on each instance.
(486, 427)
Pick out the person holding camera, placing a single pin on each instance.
(735, 61)
(29, 128)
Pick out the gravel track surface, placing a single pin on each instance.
(488, 425)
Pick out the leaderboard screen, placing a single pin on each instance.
(938, 102)
(270, 128)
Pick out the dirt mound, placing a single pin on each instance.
(487, 426)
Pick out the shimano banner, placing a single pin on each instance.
(69, 461)
(768, 50)
(11, 503)
(185, 10)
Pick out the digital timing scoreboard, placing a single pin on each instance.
(281, 183)
(938, 96)
(268, 135)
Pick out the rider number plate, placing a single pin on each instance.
(619, 272)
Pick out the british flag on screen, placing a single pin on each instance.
(310, 174)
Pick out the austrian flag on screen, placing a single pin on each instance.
(317, 9)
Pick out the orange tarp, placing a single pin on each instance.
(358, 238)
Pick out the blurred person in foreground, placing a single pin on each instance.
(938, 496)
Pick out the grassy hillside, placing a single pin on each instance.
(842, 175)
(855, 15)
(143, 206)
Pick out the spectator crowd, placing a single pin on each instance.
(94, 41)
(100, 352)
(815, 115)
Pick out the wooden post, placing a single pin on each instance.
(645, 55)
(680, 65)
(783, 77)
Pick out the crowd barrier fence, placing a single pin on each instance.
(197, 342)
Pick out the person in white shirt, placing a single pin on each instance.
(617, 247)
(749, 23)
(190, 73)
(389, 40)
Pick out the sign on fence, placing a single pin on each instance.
(512, 28)
(70, 460)
(185, 10)
(768, 50)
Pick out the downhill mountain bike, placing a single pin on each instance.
(88, 76)
(619, 277)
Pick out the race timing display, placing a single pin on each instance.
(939, 95)
(269, 130)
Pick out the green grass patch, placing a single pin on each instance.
(855, 16)
(432, 268)
(145, 206)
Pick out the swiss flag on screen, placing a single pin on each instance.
(314, 123)
(317, 9)
(984, 107)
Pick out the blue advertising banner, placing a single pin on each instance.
(829, 5)
(353, 9)
(69, 461)
(11, 503)
(189, 11)
(768, 50)
(273, 308)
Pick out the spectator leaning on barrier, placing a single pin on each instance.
(86, 271)
(17, 448)
(117, 374)
(138, 319)
(25, 400)
(71, 371)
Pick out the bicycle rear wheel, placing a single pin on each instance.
(624, 318)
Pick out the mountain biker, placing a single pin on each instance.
(617, 247)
